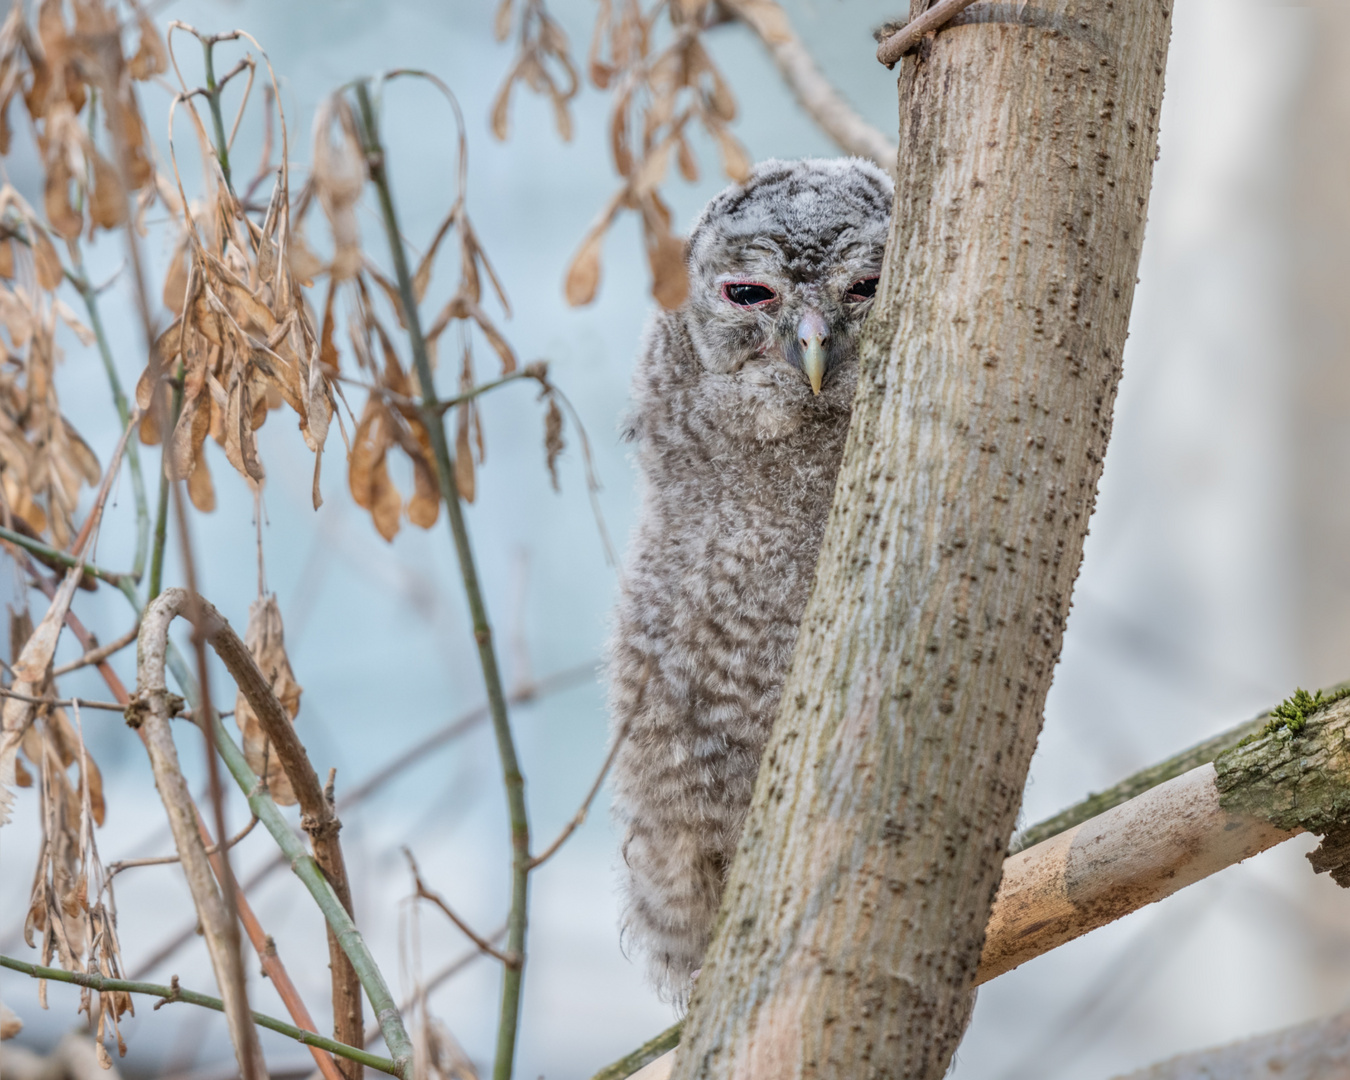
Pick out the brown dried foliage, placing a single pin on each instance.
(658, 90)
(392, 418)
(67, 911)
(244, 340)
(266, 640)
(54, 68)
(542, 48)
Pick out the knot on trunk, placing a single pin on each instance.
(319, 829)
(148, 702)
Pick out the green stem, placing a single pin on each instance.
(307, 870)
(213, 99)
(514, 782)
(191, 997)
(162, 507)
(90, 298)
(645, 1054)
(61, 558)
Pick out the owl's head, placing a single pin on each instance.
(783, 268)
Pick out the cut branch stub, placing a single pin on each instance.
(1297, 780)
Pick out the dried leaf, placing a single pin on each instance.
(501, 22)
(176, 279)
(108, 202)
(583, 275)
(464, 478)
(45, 260)
(553, 440)
(665, 256)
(151, 57)
(735, 161)
(266, 641)
(200, 489)
(29, 671)
(10, 1024)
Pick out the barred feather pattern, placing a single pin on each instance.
(739, 460)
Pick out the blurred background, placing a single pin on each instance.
(1215, 577)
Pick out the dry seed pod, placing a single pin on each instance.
(265, 639)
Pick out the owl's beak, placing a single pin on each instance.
(814, 334)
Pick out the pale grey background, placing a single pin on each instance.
(1182, 625)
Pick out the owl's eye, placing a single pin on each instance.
(863, 290)
(747, 293)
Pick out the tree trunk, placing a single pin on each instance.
(855, 912)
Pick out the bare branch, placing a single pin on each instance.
(1311, 1051)
(822, 102)
(427, 894)
(899, 40)
(84, 703)
(97, 655)
(175, 993)
(153, 710)
(579, 818)
(168, 860)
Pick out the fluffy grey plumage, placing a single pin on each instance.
(739, 458)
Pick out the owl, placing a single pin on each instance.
(741, 402)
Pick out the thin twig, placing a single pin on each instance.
(427, 894)
(168, 860)
(513, 780)
(176, 993)
(84, 703)
(99, 654)
(579, 818)
(61, 559)
(644, 1055)
(413, 755)
(89, 294)
(900, 41)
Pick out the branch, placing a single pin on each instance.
(1133, 786)
(176, 993)
(57, 559)
(899, 41)
(1263, 791)
(661, 1048)
(512, 779)
(98, 654)
(116, 868)
(822, 102)
(579, 818)
(149, 712)
(317, 816)
(154, 653)
(427, 894)
(413, 755)
(1311, 1051)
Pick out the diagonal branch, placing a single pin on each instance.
(175, 993)
(151, 661)
(813, 91)
(1269, 787)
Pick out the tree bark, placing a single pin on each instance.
(854, 915)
